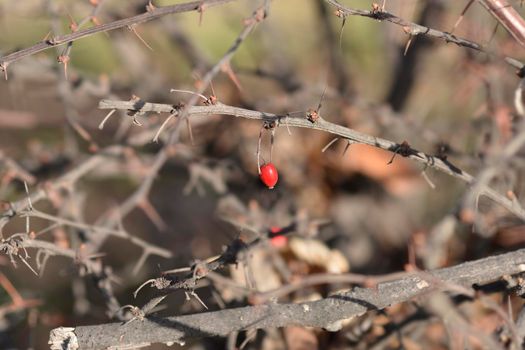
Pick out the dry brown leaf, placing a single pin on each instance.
(316, 253)
(373, 162)
(261, 271)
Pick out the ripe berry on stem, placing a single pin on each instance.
(268, 175)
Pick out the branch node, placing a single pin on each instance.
(3, 67)
(312, 116)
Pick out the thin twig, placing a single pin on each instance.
(417, 29)
(123, 23)
(508, 17)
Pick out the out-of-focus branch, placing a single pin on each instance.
(416, 29)
(408, 60)
(326, 313)
(102, 231)
(140, 196)
(13, 208)
(15, 169)
(258, 16)
(188, 48)
(494, 167)
(508, 17)
(17, 245)
(337, 65)
(350, 135)
(151, 14)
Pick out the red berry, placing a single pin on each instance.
(276, 239)
(269, 175)
(274, 231)
(279, 241)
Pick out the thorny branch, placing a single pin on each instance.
(223, 63)
(66, 181)
(435, 162)
(154, 13)
(231, 255)
(416, 29)
(162, 156)
(140, 195)
(103, 231)
(508, 17)
(326, 313)
(14, 170)
(17, 244)
(499, 162)
(151, 14)
(63, 182)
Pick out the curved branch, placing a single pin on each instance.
(508, 17)
(441, 164)
(326, 313)
(68, 179)
(126, 22)
(416, 29)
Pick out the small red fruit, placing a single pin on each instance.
(275, 231)
(269, 175)
(279, 241)
(276, 239)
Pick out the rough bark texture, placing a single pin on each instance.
(326, 313)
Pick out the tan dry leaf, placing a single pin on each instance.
(316, 253)
(337, 262)
(261, 271)
(373, 162)
(314, 296)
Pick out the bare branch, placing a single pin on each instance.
(62, 182)
(258, 15)
(325, 313)
(354, 136)
(508, 17)
(417, 29)
(152, 14)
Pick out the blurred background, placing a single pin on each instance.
(369, 216)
